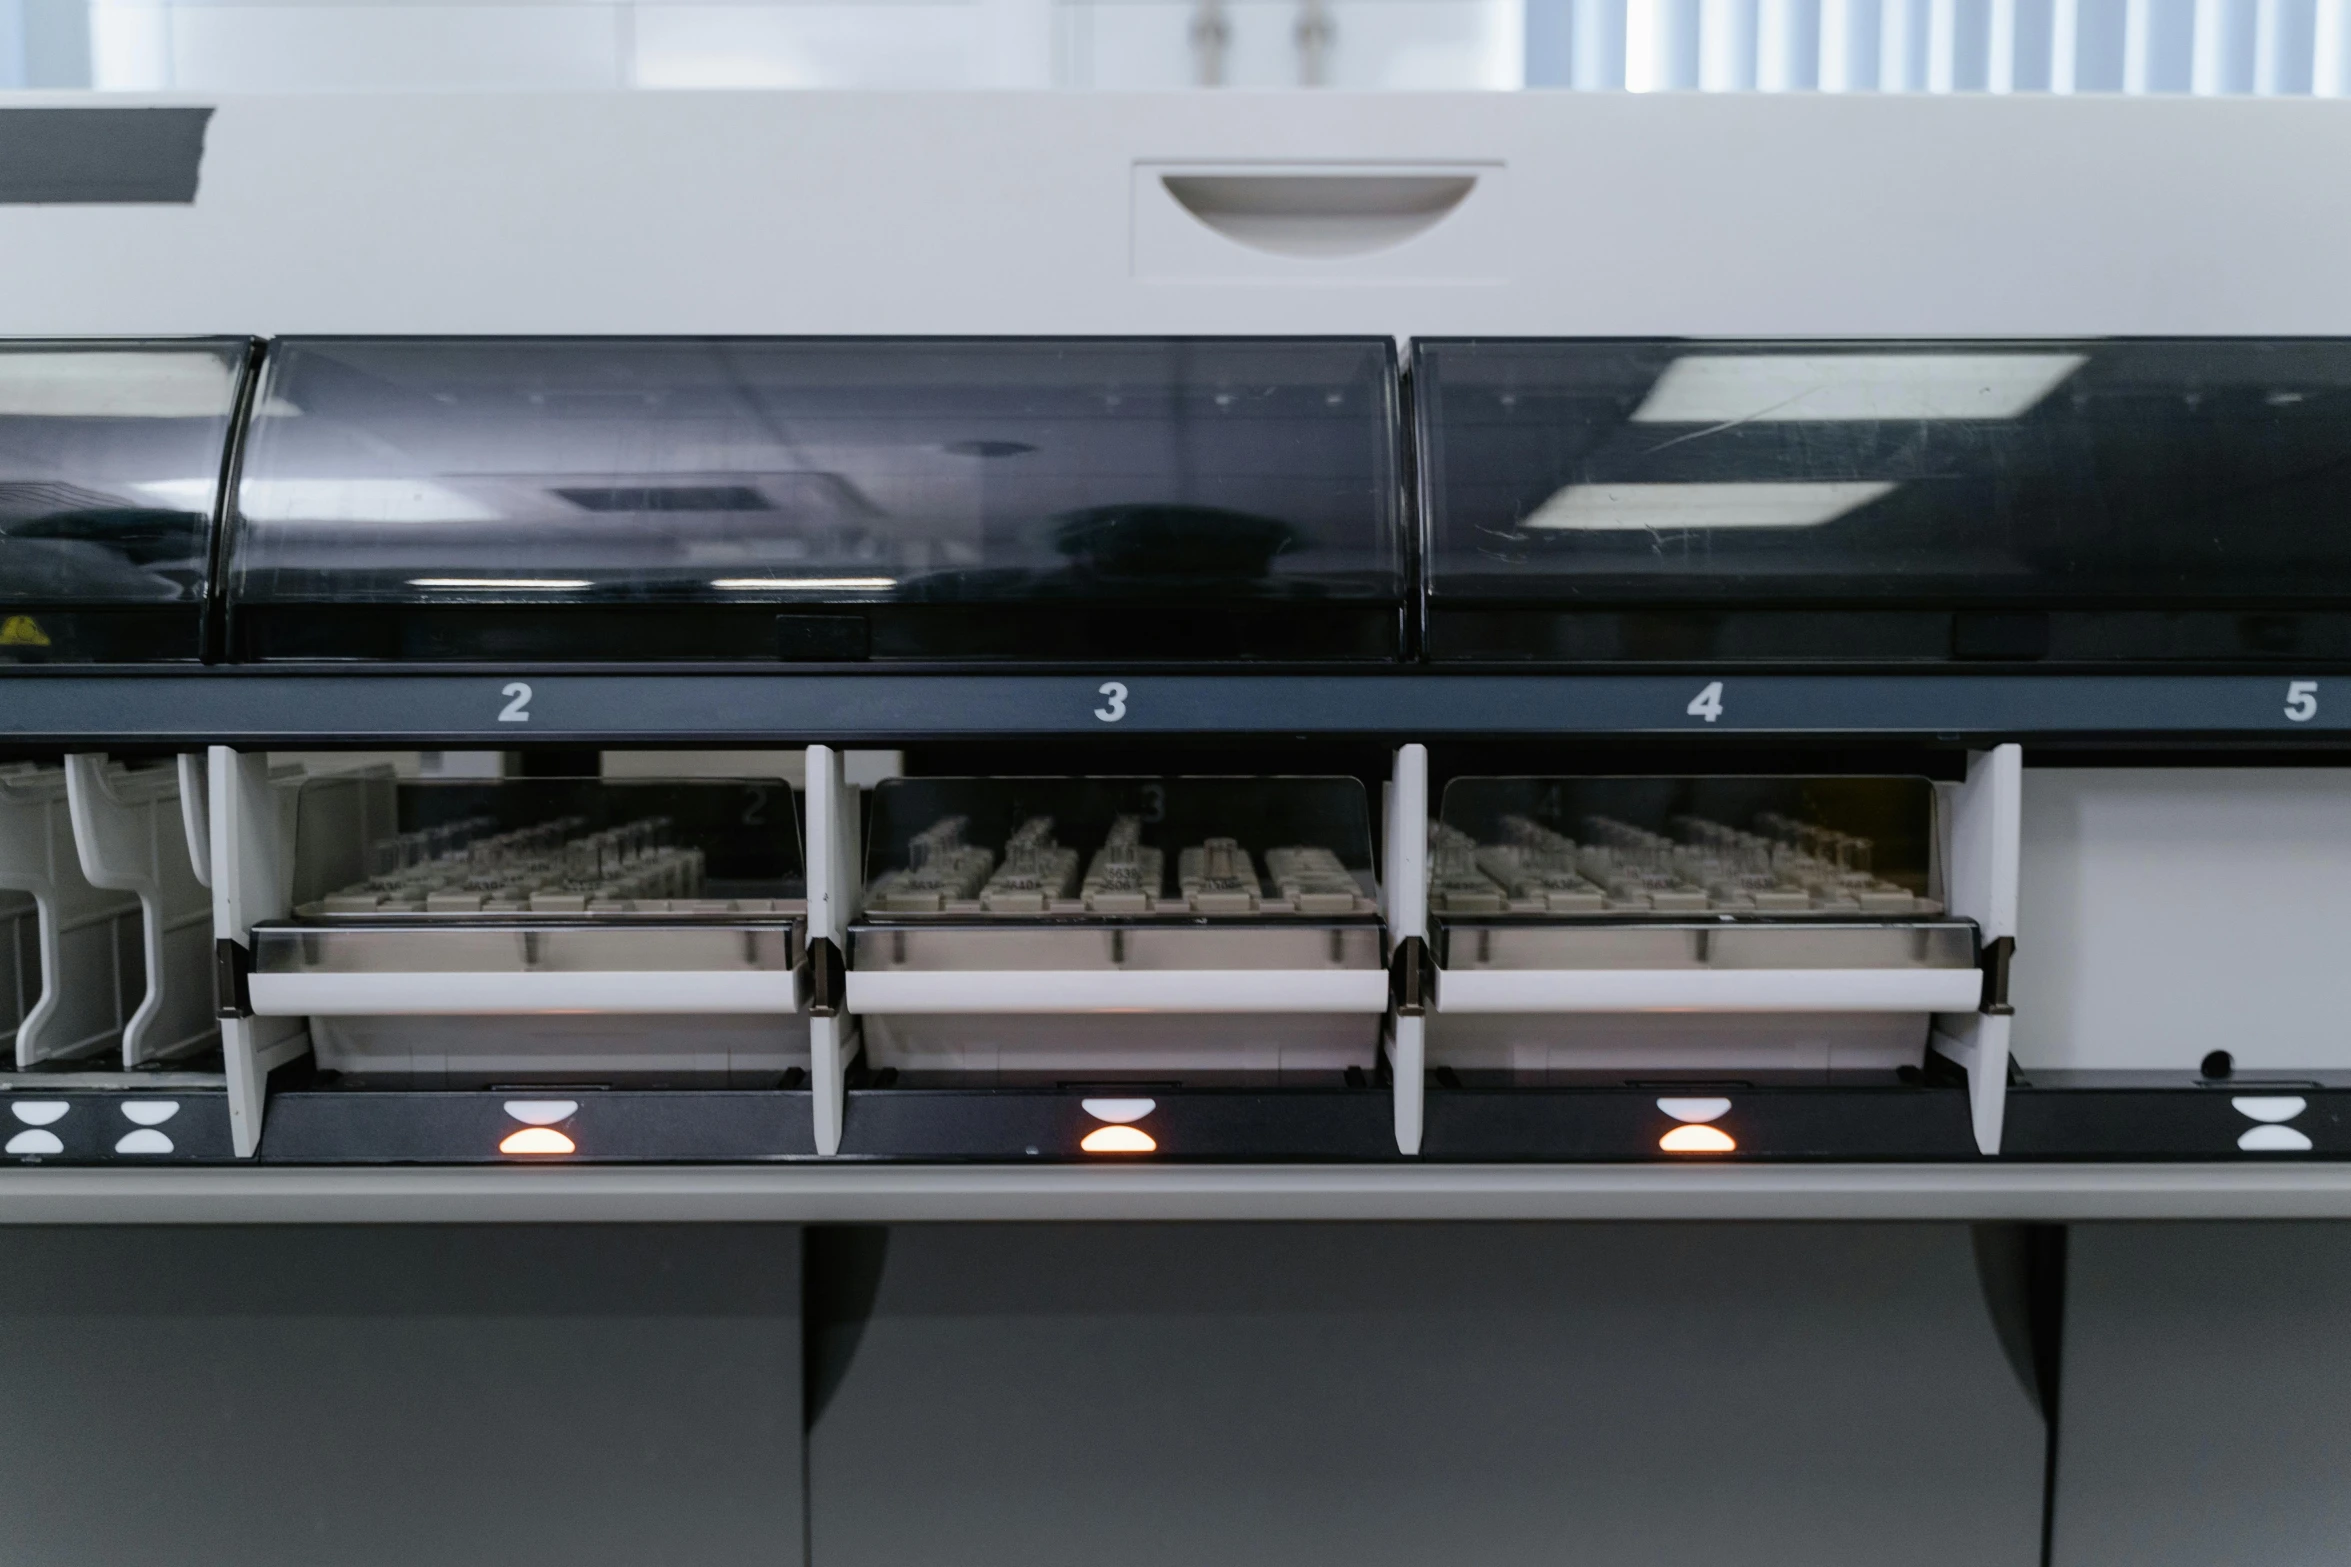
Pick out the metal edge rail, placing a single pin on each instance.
(868, 1194)
(250, 708)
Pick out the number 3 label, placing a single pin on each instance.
(1114, 705)
(2301, 701)
(1707, 704)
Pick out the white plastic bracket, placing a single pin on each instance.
(80, 1009)
(196, 812)
(252, 821)
(1404, 895)
(832, 904)
(131, 834)
(1986, 814)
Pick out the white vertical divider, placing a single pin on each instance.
(1986, 828)
(196, 813)
(1726, 44)
(2138, 45)
(1644, 45)
(131, 836)
(1836, 46)
(2208, 50)
(2330, 50)
(832, 904)
(252, 880)
(1894, 32)
(1775, 46)
(2000, 48)
(1942, 45)
(1597, 59)
(2269, 47)
(1404, 895)
(81, 992)
(2065, 44)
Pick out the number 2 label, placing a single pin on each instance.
(1707, 704)
(2301, 701)
(518, 707)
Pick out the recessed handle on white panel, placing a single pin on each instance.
(1320, 215)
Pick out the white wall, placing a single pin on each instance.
(2192, 46)
(2168, 912)
(341, 45)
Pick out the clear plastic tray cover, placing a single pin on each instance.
(1119, 848)
(1687, 848)
(2032, 472)
(370, 847)
(824, 471)
(110, 464)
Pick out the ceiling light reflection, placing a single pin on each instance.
(527, 584)
(104, 384)
(798, 584)
(1695, 507)
(1784, 388)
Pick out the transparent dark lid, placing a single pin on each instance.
(857, 473)
(110, 465)
(370, 845)
(1714, 847)
(1119, 847)
(2017, 473)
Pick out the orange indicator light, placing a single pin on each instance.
(537, 1139)
(1697, 1139)
(1119, 1139)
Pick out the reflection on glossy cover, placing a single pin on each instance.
(822, 499)
(110, 464)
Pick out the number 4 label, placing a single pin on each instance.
(1707, 704)
(2301, 701)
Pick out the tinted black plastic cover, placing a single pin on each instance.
(2090, 501)
(821, 499)
(110, 466)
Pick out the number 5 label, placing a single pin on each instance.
(2301, 701)
(1707, 704)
